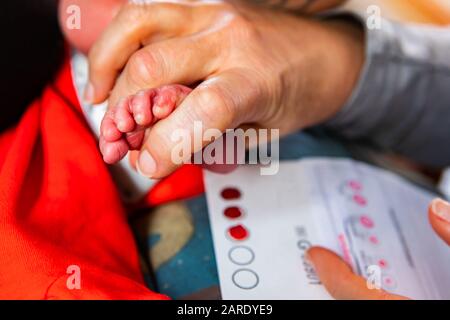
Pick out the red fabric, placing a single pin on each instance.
(184, 183)
(60, 207)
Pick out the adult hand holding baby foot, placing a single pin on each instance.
(255, 66)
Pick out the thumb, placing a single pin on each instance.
(215, 105)
(439, 216)
(339, 279)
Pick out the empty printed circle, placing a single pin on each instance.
(245, 279)
(241, 255)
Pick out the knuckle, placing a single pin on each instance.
(214, 105)
(144, 68)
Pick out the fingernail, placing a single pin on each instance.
(139, 118)
(146, 165)
(89, 93)
(122, 125)
(441, 209)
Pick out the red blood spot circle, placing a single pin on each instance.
(231, 193)
(238, 232)
(366, 221)
(360, 200)
(233, 212)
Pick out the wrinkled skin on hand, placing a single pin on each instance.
(254, 67)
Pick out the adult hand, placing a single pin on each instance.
(255, 66)
(342, 283)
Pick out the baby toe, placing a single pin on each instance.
(113, 151)
(167, 99)
(108, 128)
(123, 117)
(135, 139)
(141, 107)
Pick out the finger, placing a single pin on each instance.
(183, 61)
(439, 216)
(137, 25)
(125, 35)
(218, 103)
(339, 279)
(132, 159)
(224, 166)
(227, 166)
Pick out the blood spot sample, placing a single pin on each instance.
(238, 232)
(360, 200)
(233, 212)
(230, 194)
(366, 221)
(355, 185)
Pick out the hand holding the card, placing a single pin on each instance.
(343, 284)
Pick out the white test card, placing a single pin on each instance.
(374, 219)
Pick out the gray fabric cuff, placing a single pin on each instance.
(402, 99)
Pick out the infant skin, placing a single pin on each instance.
(123, 126)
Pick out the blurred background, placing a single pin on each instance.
(32, 51)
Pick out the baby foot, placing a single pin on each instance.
(123, 126)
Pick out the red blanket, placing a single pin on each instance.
(59, 208)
